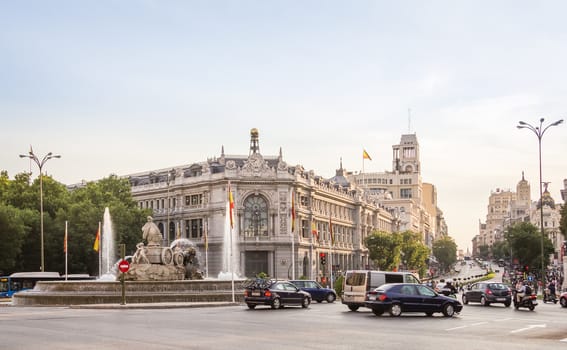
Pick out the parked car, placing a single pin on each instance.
(274, 293)
(318, 292)
(563, 299)
(488, 293)
(397, 298)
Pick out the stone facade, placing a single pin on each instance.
(191, 201)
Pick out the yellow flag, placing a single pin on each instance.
(365, 155)
(97, 241)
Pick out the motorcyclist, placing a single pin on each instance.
(450, 287)
(520, 291)
(551, 289)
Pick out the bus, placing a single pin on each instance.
(19, 281)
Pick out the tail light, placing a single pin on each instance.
(267, 293)
(533, 296)
(246, 293)
(382, 297)
(488, 291)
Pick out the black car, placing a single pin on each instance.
(487, 293)
(397, 298)
(274, 293)
(318, 292)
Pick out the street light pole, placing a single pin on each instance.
(539, 131)
(40, 164)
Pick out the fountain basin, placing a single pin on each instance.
(64, 293)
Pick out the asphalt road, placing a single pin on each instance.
(321, 326)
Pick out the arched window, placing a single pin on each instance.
(255, 216)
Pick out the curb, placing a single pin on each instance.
(153, 305)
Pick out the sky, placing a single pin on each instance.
(119, 87)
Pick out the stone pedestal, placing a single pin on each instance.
(154, 272)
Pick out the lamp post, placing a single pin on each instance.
(40, 164)
(539, 131)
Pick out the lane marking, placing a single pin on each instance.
(528, 328)
(452, 329)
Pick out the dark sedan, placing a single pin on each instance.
(563, 299)
(274, 293)
(318, 292)
(397, 298)
(487, 293)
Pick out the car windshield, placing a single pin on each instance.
(497, 286)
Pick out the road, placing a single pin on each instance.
(321, 326)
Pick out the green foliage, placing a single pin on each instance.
(484, 251)
(501, 250)
(262, 275)
(384, 249)
(82, 209)
(445, 250)
(388, 251)
(338, 285)
(525, 240)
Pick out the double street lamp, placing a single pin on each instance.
(539, 131)
(40, 164)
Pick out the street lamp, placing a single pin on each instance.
(539, 131)
(40, 164)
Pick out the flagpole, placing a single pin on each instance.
(292, 236)
(207, 248)
(331, 248)
(66, 250)
(230, 208)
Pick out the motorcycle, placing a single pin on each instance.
(528, 301)
(547, 296)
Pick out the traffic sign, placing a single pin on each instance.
(123, 266)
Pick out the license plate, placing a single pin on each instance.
(500, 299)
(372, 297)
(255, 294)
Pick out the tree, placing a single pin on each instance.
(484, 251)
(445, 250)
(384, 249)
(501, 250)
(525, 240)
(414, 252)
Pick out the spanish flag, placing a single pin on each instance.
(231, 206)
(97, 241)
(331, 231)
(314, 230)
(365, 155)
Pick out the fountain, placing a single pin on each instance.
(157, 274)
(108, 250)
(230, 253)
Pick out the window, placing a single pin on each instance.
(255, 216)
(405, 193)
(194, 200)
(194, 228)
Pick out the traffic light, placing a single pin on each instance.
(527, 268)
(323, 258)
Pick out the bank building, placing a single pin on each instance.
(287, 222)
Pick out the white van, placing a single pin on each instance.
(357, 283)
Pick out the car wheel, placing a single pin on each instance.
(251, 306)
(563, 302)
(353, 307)
(448, 310)
(305, 303)
(276, 303)
(331, 298)
(377, 312)
(507, 304)
(465, 300)
(395, 310)
(484, 302)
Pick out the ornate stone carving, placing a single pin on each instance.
(256, 166)
(231, 165)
